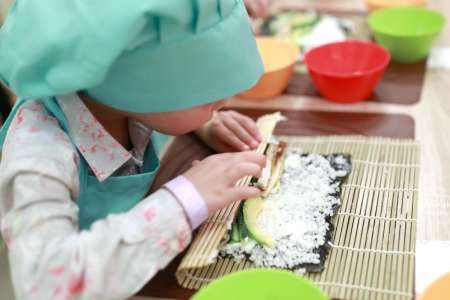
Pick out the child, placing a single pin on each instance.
(94, 78)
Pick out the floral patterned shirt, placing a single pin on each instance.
(49, 257)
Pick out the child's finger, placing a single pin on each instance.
(251, 7)
(249, 156)
(249, 124)
(258, 7)
(266, 3)
(264, 7)
(245, 192)
(231, 139)
(241, 132)
(244, 169)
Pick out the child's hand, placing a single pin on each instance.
(229, 131)
(258, 8)
(216, 176)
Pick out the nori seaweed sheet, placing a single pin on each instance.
(324, 249)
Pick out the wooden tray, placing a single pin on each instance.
(186, 148)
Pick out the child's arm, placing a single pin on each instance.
(51, 259)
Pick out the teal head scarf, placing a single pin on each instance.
(135, 55)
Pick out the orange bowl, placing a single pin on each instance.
(373, 5)
(438, 290)
(279, 57)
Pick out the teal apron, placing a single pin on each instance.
(96, 200)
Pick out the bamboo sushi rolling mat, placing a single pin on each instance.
(373, 244)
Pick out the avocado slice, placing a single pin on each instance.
(252, 209)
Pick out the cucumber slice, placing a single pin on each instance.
(235, 237)
(251, 210)
(243, 231)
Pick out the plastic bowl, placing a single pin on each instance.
(279, 57)
(347, 72)
(407, 32)
(260, 284)
(438, 290)
(381, 4)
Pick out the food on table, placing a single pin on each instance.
(252, 209)
(290, 227)
(271, 173)
(307, 29)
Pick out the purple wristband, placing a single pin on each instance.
(190, 199)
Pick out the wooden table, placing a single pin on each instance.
(432, 117)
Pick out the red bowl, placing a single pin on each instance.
(347, 72)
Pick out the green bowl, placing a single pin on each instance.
(407, 32)
(261, 284)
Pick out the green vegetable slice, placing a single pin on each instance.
(251, 211)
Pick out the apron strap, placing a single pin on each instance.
(7, 124)
(53, 108)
